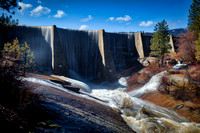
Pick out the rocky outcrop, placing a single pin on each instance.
(75, 113)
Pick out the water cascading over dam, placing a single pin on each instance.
(39, 38)
(92, 54)
(80, 51)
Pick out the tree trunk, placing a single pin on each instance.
(162, 61)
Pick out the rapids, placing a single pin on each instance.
(141, 116)
(152, 85)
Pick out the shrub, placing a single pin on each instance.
(187, 90)
(20, 55)
(186, 49)
(20, 107)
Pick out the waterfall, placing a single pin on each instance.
(39, 39)
(80, 51)
(123, 50)
(152, 85)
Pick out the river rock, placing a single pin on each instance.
(146, 63)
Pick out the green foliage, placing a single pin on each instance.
(9, 6)
(22, 53)
(27, 56)
(194, 17)
(12, 51)
(160, 41)
(197, 54)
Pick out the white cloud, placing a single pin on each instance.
(125, 18)
(87, 19)
(24, 6)
(111, 18)
(40, 10)
(146, 24)
(39, 1)
(83, 27)
(59, 14)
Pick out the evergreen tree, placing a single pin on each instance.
(194, 17)
(27, 57)
(197, 54)
(22, 53)
(9, 6)
(160, 41)
(7, 20)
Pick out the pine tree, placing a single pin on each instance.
(194, 17)
(160, 41)
(194, 24)
(14, 51)
(197, 54)
(8, 6)
(27, 57)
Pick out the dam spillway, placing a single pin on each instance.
(92, 54)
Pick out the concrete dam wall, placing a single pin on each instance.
(92, 54)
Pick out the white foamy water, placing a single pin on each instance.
(46, 82)
(141, 116)
(144, 117)
(83, 86)
(152, 85)
(122, 81)
(179, 65)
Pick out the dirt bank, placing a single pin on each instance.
(186, 109)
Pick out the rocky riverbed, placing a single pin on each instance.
(77, 114)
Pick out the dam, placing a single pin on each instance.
(92, 54)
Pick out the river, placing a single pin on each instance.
(141, 116)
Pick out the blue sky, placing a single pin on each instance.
(111, 15)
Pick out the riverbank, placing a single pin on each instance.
(174, 93)
(187, 109)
